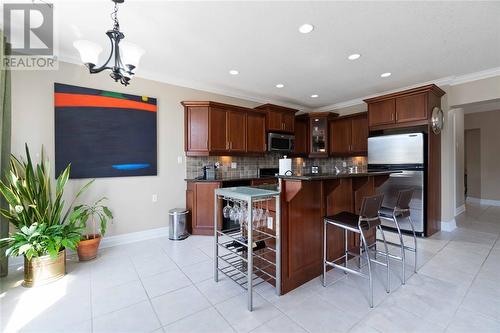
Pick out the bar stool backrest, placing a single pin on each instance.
(368, 214)
(404, 199)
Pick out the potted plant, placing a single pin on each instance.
(42, 230)
(89, 243)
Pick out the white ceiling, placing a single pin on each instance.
(195, 44)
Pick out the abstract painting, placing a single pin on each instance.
(103, 133)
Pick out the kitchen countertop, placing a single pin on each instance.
(229, 179)
(326, 176)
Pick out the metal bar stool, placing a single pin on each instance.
(401, 210)
(368, 218)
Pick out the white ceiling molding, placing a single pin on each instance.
(450, 80)
(147, 75)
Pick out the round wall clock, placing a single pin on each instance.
(437, 120)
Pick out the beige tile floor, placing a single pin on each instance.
(164, 286)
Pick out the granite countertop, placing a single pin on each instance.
(325, 176)
(229, 179)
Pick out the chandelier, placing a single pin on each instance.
(123, 57)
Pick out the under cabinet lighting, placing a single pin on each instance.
(280, 85)
(387, 74)
(234, 72)
(314, 96)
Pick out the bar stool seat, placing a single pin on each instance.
(366, 220)
(401, 210)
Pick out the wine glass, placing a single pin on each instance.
(266, 214)
(226, 210)
(233, 213)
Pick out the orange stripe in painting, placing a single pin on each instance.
(72, 100)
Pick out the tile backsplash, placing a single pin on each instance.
(246, 166)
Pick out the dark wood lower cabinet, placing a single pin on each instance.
(303, 206)
(200, 203)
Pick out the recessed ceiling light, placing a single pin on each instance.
(306, 28)
(354, 56)
(234, 72)
(280, 85)
(314, 96)
(387, 74)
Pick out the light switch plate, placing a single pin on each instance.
(154, 197)
(179, 159)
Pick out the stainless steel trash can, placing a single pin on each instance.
(177, 228)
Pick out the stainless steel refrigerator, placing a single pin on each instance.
(405, 152)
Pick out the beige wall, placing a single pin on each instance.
(473, 162)
(130, 198)
(459, 157)
(489, 125)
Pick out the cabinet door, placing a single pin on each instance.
(359, 135)
(218, 132)
(288, 120)
(274, 121)
(318, 138)
(196, 123)
(301, 142)
(340, 136)
(411, 108)
(203, 219)
(381, 113)
(237, 129)
(256, 132)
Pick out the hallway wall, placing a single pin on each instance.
(488, 123)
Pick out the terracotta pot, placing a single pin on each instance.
(87, 248)
(43, 270)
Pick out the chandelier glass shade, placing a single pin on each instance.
(123, 58)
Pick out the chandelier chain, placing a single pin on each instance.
(114, 17)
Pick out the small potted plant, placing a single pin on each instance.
(42, 231)
(89, 243)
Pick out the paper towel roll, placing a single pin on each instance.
(285, 166)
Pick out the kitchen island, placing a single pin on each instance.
(305, 200)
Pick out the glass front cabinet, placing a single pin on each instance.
(318, 129)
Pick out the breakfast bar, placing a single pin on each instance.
(305, 200)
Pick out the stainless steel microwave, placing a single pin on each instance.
(280, 142)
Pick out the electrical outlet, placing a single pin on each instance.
(179, 159)
(344, 164)
(154, 197)
(234, 165)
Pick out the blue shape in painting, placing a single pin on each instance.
(132, 166)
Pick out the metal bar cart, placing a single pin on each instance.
(251, 253)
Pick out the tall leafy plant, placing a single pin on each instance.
(36, 212)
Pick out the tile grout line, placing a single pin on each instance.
(472, 282)
(196, 287)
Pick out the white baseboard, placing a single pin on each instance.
(134, 237)
(460, 210)
(448, 226)
(480, 201)
(115, 240)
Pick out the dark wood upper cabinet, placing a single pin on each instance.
(288, 119)
(349, 135)
(381, 113)
(218, 138)
(236, 131)
(340, 136)
(196, 131)
(407, 108)
(301, 135)
(256, 132)
(411, 108)
(359, 134)
(318, 133)
(279, 118)
(213, 128)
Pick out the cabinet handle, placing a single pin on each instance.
(392, 116)
(396, 116)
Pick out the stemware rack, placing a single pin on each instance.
(234, 253)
